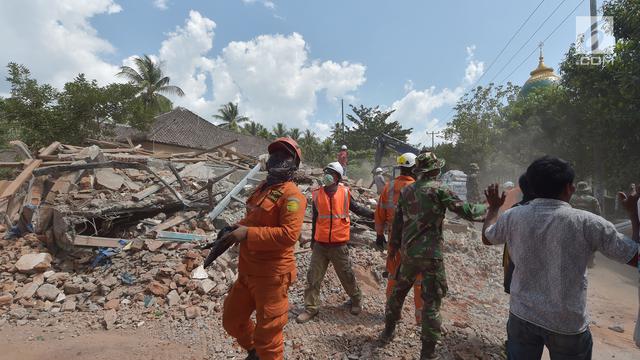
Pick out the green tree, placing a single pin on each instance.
(294, 134)
(230, 116)
(152, 83)
(280, 130)
(369, 123)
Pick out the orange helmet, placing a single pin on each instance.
(289, 145)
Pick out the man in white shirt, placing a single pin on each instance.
(550, 242)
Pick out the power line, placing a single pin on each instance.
(526, 42)
(508, 43)
(545, 39)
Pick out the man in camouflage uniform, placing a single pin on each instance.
(417, 234)
(583, 200)
(473, 189)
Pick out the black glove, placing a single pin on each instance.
(225, 230)
(381, 242)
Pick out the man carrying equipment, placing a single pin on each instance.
(267, 265)
(330, 233)
(417, 234)
(385, 212)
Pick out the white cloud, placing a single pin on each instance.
(183, 55)
(321, 129)
(271, 76)
(266, 3)
(57, 42)
(274, 80)
(415, 108)
(161, 4)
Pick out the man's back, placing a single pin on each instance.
(586, 202)
(550, 243)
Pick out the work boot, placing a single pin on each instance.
(388, 333)
(252, 355)
(305, 316)
(356, 307)
(428, 350)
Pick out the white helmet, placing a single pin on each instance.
(407, 160)
(335, 166)
(343, 147)
(508, 185)
(377, 170)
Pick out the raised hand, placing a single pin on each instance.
(494, 198)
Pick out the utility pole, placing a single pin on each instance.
(594, 27)
(344, 136)
(433, 139)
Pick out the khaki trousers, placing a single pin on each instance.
(320, 259)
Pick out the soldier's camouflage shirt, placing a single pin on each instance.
(417, 226)
(585, 202)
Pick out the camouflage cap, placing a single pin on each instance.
(474, 166)
(583, 186)
(426, 162)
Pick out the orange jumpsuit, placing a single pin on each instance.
(266, 269)
(384, 214)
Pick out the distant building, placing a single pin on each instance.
(181, 130)
(542, 76)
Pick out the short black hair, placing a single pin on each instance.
(406, 171)
(548, 176)
(527, 194)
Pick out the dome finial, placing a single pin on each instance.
(541, 46)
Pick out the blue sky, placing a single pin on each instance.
(291, 61)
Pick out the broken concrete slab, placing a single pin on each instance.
(36, 262)
(48, 292)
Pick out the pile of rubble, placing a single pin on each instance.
(113, 227)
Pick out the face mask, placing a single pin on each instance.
(327, 179)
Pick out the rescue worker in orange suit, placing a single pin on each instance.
(266, 264)
(385, 211)
(330, 233)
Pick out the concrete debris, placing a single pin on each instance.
(30, 263)
(199, 273)
(48, 292)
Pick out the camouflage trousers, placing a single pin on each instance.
(434, 288)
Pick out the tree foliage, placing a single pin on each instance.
(38, 114)
(590, 119)
(368, 123)
(230, 117)
(152, 84)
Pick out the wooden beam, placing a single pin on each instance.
(49, 150)
(11, 164)
(241, 156)
(21, 179)
(174, 221)
(22, 148)
(97, 241)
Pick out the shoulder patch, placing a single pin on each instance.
(293, 204)
(274, 195)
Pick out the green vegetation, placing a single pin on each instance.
(590, 119)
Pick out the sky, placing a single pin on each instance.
(293, 61)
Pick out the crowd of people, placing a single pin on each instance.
(548, 245)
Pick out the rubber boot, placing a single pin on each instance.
(428, 350)
(305, 316)
(388, 333)
(356, 307)
(252, 355)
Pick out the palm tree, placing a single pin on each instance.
(280, 130)
(230, 117)
(252, 128)
(148, 77)
(294, 134)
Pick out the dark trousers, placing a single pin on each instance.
(526, 341)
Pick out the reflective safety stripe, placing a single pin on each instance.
(332, 219)
(390, 204)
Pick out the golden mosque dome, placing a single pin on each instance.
(542, 76)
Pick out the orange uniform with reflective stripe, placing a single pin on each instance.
(333, 221)
(386, 208)
(385, 211)
(266, 269)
